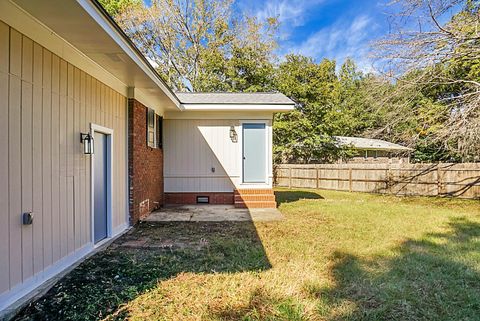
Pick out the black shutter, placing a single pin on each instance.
(159, 131)
(150, 127)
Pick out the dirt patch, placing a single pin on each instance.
(179, 235)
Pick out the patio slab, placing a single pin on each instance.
(213, 213)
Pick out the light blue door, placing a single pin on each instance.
(254, 153)
(100, 187)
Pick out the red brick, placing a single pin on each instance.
(145, 166)
(254, 198)
(216, 198)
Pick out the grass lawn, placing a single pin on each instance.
(336, 256)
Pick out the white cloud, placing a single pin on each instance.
(345, 37)
(290, 13)
(341, 40)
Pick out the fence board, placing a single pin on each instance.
(445, 179)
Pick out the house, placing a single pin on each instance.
(92, 139)
(370, 150)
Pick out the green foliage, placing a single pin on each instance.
(428, 151)
(202, 46)
(328, 103)
(247, 64)
(115, 7)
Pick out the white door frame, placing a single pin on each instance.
(267, 148)
(94, 128)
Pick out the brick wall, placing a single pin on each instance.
(145, 165)
(191, 198)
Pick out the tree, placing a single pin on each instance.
(436, 70)
(199, 45)
(351, 114)
(303, 135)
(115, 7)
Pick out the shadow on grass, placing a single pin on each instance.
(137, 261)
(295, 195)
(435, 278)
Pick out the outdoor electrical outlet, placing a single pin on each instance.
(27, 218)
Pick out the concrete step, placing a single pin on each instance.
(254, 197)
(256, 204)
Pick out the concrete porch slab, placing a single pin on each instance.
(213, 213)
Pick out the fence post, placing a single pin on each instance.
(289, 177)
(349, 179)
(316, 178)
(439, 180)
(388, 183)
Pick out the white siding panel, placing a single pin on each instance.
(193, 147)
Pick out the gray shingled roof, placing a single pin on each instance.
(234, 98)
(369, 143)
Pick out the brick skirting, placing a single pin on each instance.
(243, 198)
(217, 198)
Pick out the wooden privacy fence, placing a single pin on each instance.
(445, 179)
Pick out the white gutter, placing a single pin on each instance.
(238, 107)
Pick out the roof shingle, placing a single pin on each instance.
(234, 98)
(369, 143)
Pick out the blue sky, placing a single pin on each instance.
(334, 29)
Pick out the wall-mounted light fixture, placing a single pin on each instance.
(87, 141)
(233, 134)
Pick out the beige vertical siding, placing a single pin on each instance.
(46, 103)
(4, 166)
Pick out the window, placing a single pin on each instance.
(154, 129)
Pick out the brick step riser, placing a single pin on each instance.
(262, 198)
(256, 205)
(254, 192)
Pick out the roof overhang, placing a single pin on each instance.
(239, 107)
(86, 27)
(82, 33)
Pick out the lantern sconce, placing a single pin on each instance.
(233, 134)
(87, 141)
